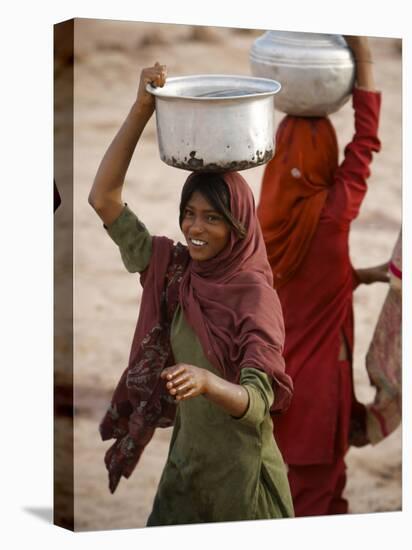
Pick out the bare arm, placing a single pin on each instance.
(106, 193)
(364, 61)
(187, 381)
(375, 274)
(353, 172)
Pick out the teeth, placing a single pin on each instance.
(197, 242)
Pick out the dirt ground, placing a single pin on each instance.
(108, 58)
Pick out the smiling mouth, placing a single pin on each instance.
(197, 242)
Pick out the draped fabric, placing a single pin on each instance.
(294, 190)
(231, 305)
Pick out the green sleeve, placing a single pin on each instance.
(258, 385)
(133, 239)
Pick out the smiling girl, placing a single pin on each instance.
(207, 351)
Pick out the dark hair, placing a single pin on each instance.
(213, 187)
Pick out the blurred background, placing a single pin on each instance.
(108, 58)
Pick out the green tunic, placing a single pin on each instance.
(219, 468)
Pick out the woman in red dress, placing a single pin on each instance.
(307, 204)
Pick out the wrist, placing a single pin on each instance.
(362, 276)
(208, 383)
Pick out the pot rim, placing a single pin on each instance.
(268, 86)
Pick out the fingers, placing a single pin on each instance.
(156, 75)
(171, 372)
(382, 272)
(187, 395)
(180, 381)
(180, 385)
(182, 389)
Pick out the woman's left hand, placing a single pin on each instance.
(359, 46)
(363, 59)
(375, 274)
(185, 381)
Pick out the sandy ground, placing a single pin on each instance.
(108, 59)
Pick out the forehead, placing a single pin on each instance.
(199, 202)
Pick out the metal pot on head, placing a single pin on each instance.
(215, 122)
(316, 71)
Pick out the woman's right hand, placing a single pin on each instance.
(156, 76)
(185, 381)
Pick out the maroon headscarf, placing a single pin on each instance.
(229, 302)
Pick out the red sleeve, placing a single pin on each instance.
(348, 191)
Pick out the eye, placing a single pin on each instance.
(213, 218)
(187, 213)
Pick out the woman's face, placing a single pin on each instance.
(205, 230)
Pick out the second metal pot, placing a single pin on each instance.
(316, 71)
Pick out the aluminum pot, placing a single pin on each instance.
(215, 123)
(316, 71)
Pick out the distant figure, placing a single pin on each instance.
(306, 207)
(207, 351)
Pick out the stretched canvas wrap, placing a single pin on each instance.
(97, 64)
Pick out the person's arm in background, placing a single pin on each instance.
(376, 274)
(362, 54)
(352, 174)
(106, 193)
(365, 80)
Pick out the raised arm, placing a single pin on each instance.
(364, 76)
(351, 176)
(106, 193)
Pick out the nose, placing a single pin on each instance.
(196, 228)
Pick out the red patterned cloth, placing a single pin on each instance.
(140, 402)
